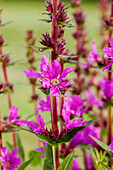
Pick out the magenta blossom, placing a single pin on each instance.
(93, 100)
(93, 55)
(10, 161)
(42, 149)
(109, 54)
(73, 106)
(75, 165)
(38, 127)
(13, 118)
(44, 105)
(107, 87)
(111, 146)
(50, 77)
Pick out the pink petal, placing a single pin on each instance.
(111, 146)
(20, 122)
(54, 91)
(40, 120)
(108, 66)
(62, 85)
(45, 68)
(94, 47)
(111, 42)
(46, 83)
(56, 68)
(32, 74)
(108, 51)
(14, 153)
(32, 125)
(4, 152)
(13, 113)
(65, 73)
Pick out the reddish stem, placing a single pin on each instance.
(109, 78)
(53, 98)
(9, 96)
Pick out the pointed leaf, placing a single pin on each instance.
(20, 148)
(74, 131)
(25, 164)
(94, 157)
(103, 145)
(37, 157)
(106, 167)
(48, 159)
(67, 163)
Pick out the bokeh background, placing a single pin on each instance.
(25, 15)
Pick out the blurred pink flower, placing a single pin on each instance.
(10, 161)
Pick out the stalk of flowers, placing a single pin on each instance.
(6, 62)
(106, 51)
(103, 5)
(30, 40)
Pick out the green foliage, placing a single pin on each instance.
(48, 159)
(25, 164)
(67, 163)
(37, 157)
(103, 145)
(99, 159)
(20, 147)
(74, 131)
(9, 146)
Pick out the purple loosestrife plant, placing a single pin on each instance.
(50, 79)
(10, 161)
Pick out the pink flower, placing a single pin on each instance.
(45, 106)
(75, 165)
(93, 100)
(111, 146)
(38, 127)
(42, 149)
(73, 106)
(107, 87)
(13, 118)
(109, 54)
(93, 55)
(50, 77)
(10, 161)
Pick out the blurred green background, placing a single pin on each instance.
(25, 15)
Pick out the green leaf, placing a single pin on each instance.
(74, 131)
(37, 157)
(94, 157)
(46, 20)
(106, 167)
(10, 147)
(25, 164)
(103, 145)
(41, 49)
(20, 148)
(48, 159)
(67, 163)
